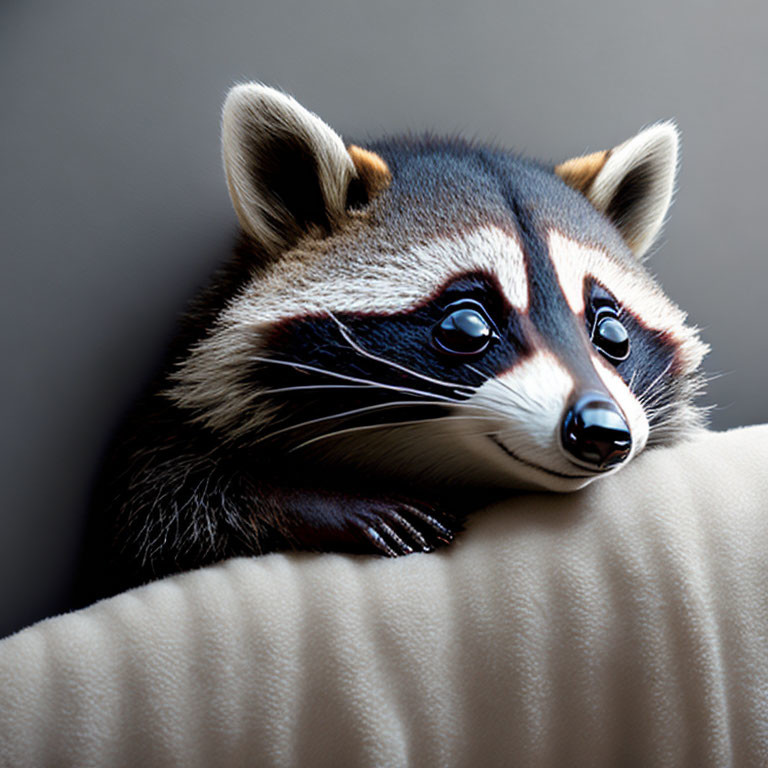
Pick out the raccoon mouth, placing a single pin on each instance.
(530, 464)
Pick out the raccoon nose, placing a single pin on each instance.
(595, 432)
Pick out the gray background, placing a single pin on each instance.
(113, 204)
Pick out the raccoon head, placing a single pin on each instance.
(442, 311)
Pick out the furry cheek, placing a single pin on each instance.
(530, 400)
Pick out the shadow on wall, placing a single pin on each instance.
(72, 414)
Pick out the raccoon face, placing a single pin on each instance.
(441, 311)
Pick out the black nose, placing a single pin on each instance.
(595, 432)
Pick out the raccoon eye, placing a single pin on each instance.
(464, 329)
(610, 336)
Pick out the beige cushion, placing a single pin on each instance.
(623, 625)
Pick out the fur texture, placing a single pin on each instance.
(308, 401)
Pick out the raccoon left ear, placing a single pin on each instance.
(288, 172)
(631, 184)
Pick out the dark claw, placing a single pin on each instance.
(444, 534)
(404, 548)
(402, 528)
(376, 539)
(415, 535)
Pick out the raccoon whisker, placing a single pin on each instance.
(710, 377)
(650, 393)
(345, 377)
(522, 404)
(347, 335)
(315, 387)
(387, 424)
(657, 404)
(652, 412)
(479, 373)
(358, 411)
(642, 395)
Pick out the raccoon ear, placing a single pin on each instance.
(287, 171)
(631, 184)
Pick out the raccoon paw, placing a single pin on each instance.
(397, 528)
(334, 521)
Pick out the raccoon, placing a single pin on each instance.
(398, 322)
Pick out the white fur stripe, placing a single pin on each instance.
(386, 283)
(487, 249)
(633, 288)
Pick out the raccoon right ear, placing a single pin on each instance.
(631, 184)
(288, 172)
